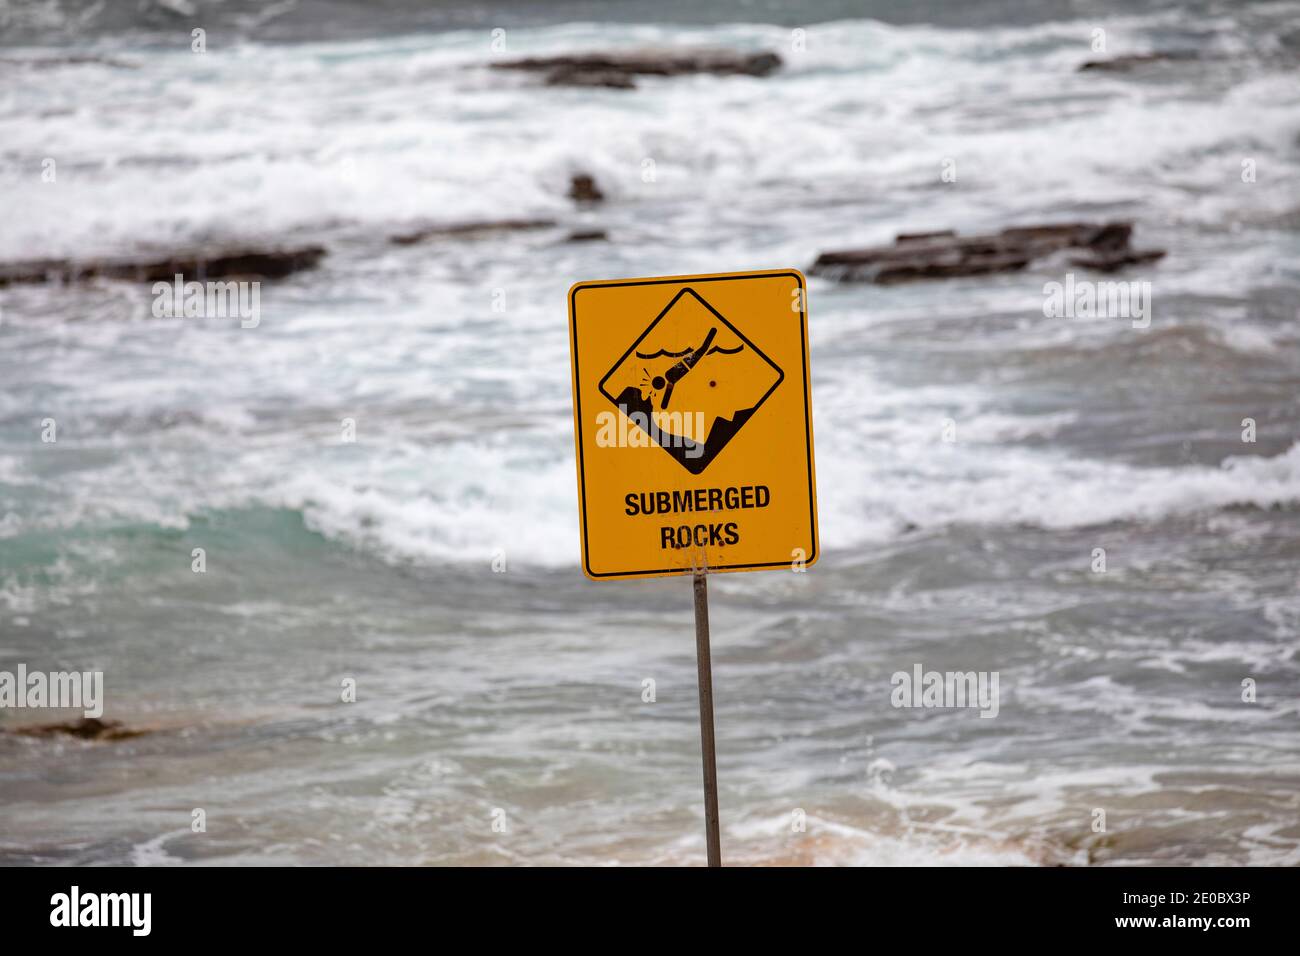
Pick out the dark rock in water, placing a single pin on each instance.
(1129, 62)
(1113, 261)
(468, 230)
(616, 69)
(606, 79)
(583, 188)
(87, 728)
(195, 266)
(587, 235)
(941, 255)
(76, 59)
(921, 236)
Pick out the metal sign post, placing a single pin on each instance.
(704, 663)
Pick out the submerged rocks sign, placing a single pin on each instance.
(693, 424)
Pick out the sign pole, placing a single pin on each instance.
(704, 663)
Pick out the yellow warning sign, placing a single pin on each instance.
(693, 424)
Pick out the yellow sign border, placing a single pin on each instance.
(577, 287)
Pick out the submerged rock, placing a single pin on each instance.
(468, 230)
(87, 728)
(75, 59)
(941, 255)
(604, 79)
(195, 265)
(616, 69)
(583, 188)
(1131, 61)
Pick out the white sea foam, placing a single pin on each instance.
(465, 501)
(339, 143)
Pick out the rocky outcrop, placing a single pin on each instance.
(1132, 61)
(467, 230)
(942, 255)
(583, 189)
(87, 728)
(75, 59)
(193, 265)
(616, 70)
(602, 79)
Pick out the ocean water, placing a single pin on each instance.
(521, 691)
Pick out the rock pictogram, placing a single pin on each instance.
(691, 381)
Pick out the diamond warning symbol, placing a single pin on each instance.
(691, 380)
